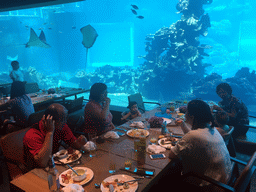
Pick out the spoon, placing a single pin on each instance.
(72, 169)
(97, 185)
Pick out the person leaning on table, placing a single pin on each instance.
(43, 138)
(97, 117)
(202, 149)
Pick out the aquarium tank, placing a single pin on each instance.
(165, 50)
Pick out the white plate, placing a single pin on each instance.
(65, 161)
(136, 133)
(132, 187)
(167, 146)
(89, 176)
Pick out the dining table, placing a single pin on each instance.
(36, 179)
(43, 99)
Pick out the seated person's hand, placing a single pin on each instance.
(216, 107)
(178, 121)
(48, 123)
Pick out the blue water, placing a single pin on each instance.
(122, 42)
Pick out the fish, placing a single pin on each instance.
(134, 12)
(135, 7)
(35, 41)
(49, 28)
(73, 27)
(140, 17)
(12, 58)
(89, 37)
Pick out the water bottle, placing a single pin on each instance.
(164, 130)
(53, 177)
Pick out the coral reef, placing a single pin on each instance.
(174, 54)
(243, 85)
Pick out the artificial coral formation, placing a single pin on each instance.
(174, 54)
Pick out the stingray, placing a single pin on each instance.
(89, 37)
(35, 41)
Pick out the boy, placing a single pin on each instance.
(16, 74)
(221, 120)
(133, 113)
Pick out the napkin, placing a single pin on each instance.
(90, 146)
(138, 124)
(111, 135)
(73, 188)
(155, 149)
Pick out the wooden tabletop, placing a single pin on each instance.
(36, 180)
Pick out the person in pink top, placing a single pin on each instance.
(97, 117)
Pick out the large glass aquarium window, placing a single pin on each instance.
(168, 49)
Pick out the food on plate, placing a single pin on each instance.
(66, 177)
(137, 133)
(114, 183)
(169, 140)
(72, 157)
(161, 136)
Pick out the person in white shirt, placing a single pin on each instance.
(16, 74)
(202, 149)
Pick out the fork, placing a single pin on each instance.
(119, 184)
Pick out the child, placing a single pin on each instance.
(221, 120)
(133, 113)
(16, 74)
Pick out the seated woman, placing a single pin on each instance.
(202, 149)
(132, 113)
(236, 109)
(20, 106)
(221, 119)
(97, 116)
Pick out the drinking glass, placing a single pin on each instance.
(112, 163)
(92, 138)
(128, 158)
(136, 141)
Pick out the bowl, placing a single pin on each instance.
(81, 175)
(62, 154)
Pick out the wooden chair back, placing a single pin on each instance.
(12, 148)
(31, 88)
(74, 105)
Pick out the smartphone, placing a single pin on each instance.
(144, 172)
(120, 133)
(158, 156)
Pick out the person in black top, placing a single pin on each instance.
(236, 109)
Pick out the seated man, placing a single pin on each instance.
(43, 138)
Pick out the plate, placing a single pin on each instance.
(137, 133)
(132, 187)
(65, 160)
(89, 176)
(167, 146)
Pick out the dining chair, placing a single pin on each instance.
(140, 103)
(12, 148)
(74, 105)
(35, 117)
(239, 182)
(31, 88)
